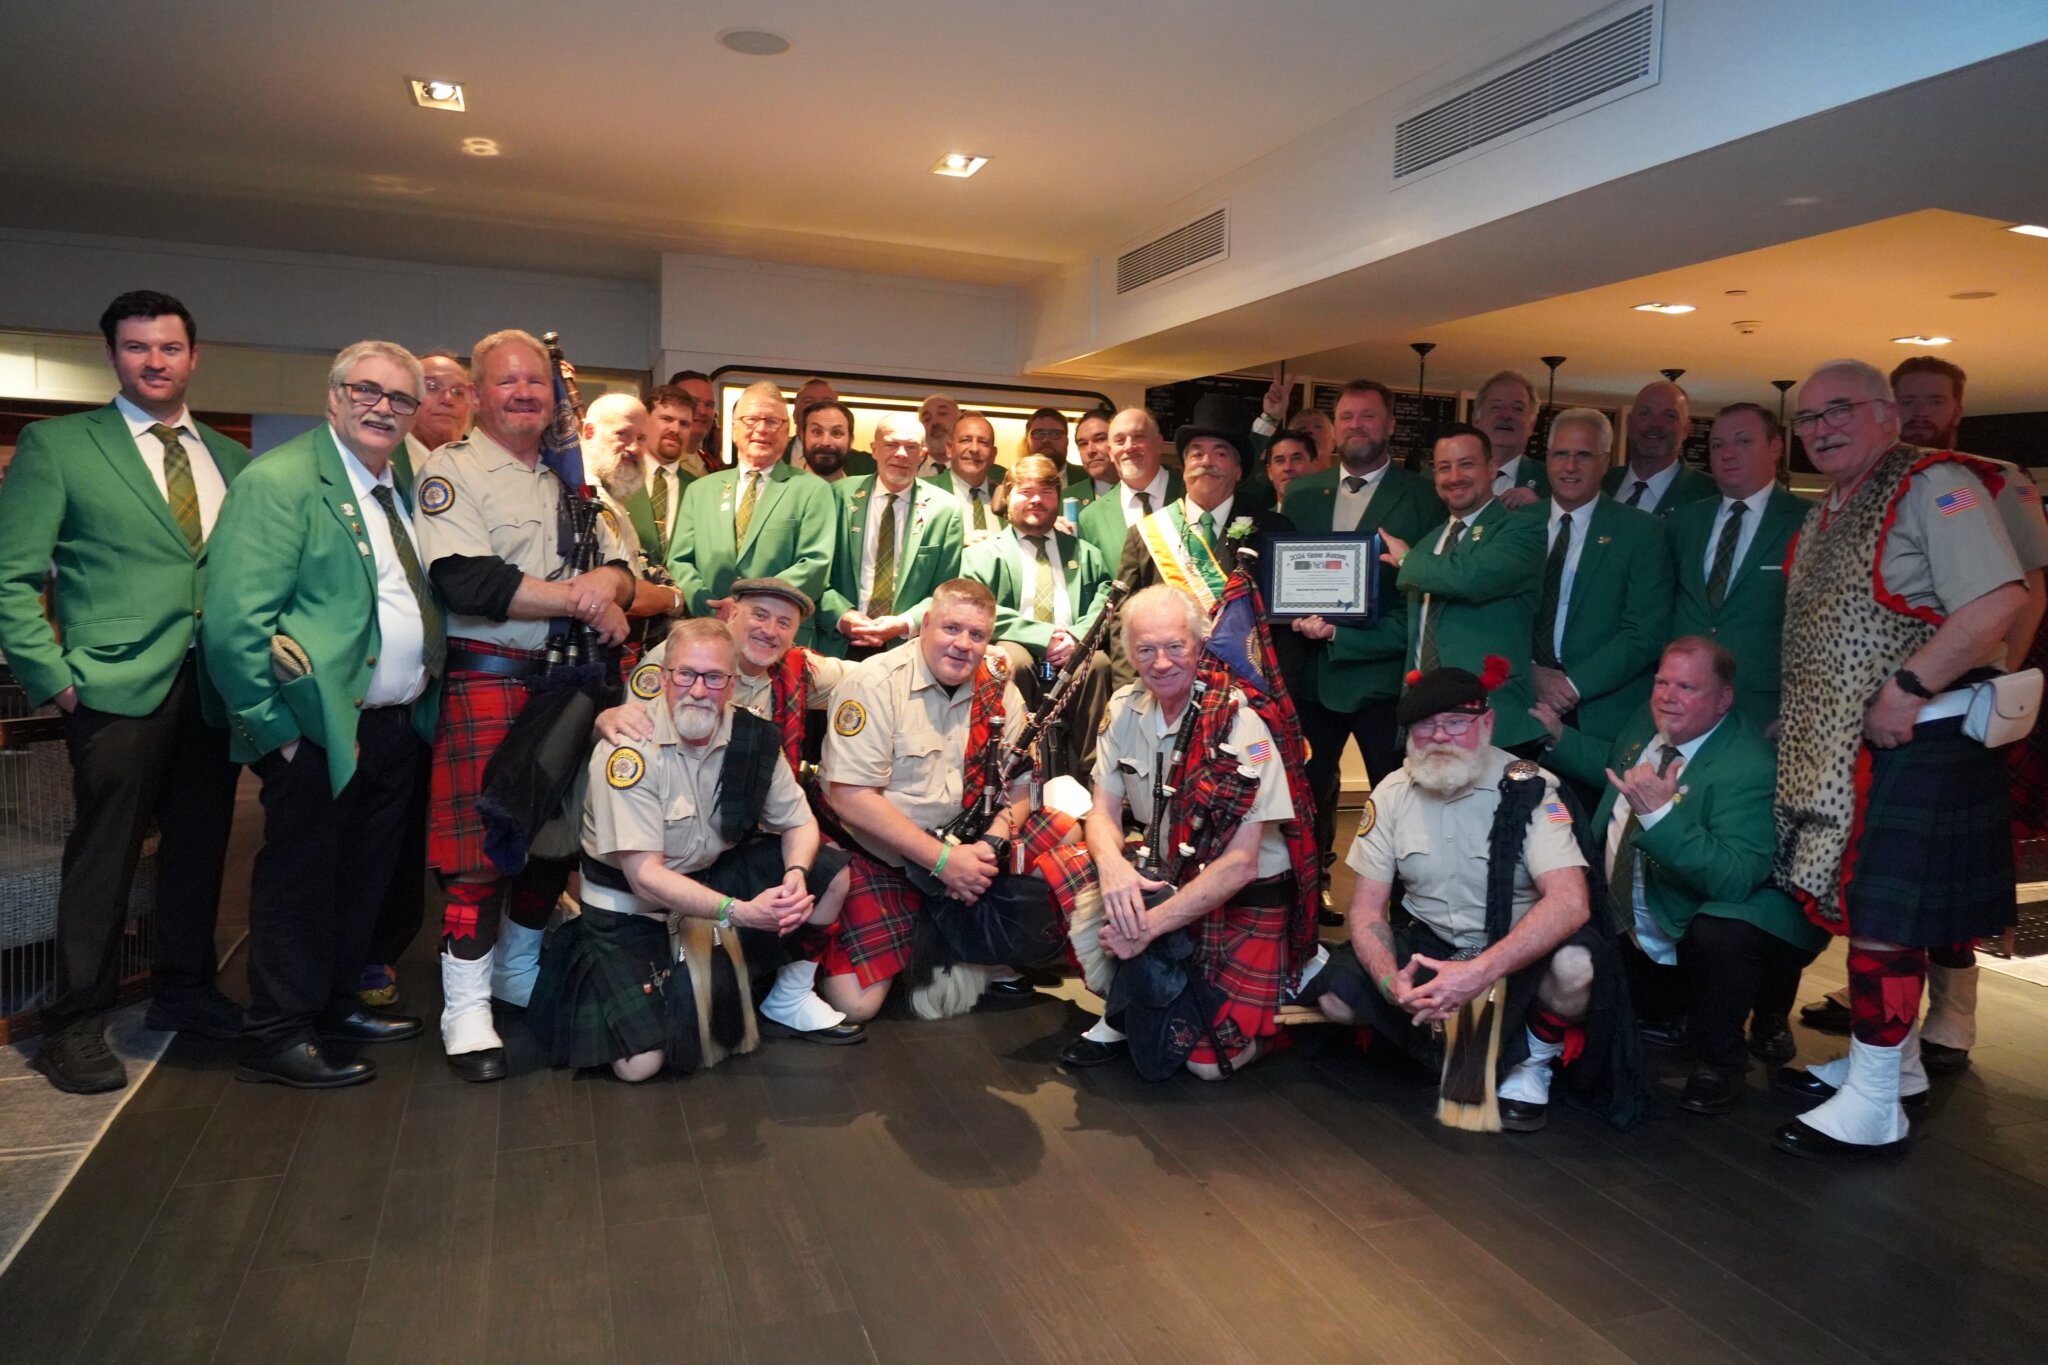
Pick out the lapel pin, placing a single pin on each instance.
(364, 546)
(1073, 563)
(1478, 531)
(348, 509)
(1604, 540)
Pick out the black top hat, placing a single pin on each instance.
(1224, 417)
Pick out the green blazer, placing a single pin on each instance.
(1103, 525)
(943, 481)
(288, 558)
(930, 556)
(1081, 490)
(790, 536)
(640, 510)
(1690, 486)
(1711, 854)
(1619, 616)
(1485, 589)
(1364, 663)
(128, 588)
(1751, 620)
(996, 563)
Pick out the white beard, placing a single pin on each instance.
(622, 478)
(696, 723)
(1444, 770)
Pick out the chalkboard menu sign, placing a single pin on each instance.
(1173, 405)
(1695, 450)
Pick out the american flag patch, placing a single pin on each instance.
(2029, 493)
(1555, 812)
(1957, 500)
(1258, 752)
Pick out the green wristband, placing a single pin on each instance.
(945, 851)
(724, 916)
(1385, 988)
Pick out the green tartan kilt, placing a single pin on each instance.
(600, 993)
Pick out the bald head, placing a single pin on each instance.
(1658, 422)
(614, 440)
(1134, 443)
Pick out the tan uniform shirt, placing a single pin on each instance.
(479, 499)
(895, 727)
(1439, 848)
(661, 795)
(1138, 736)
(1947, 545)
(2019, 510)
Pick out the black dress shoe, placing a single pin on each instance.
(1943, 1061)
(487, 1065)
(1521, 1116)
(1770, 1039)
(1800, 1140)
(1797, 1080)
(206, 1013)
(841, 1034)
(1662, 1032)
(366, 1025)
(1085, 1052)
(1710, 1090)
(1008, 995)
(78, 1061)
(1825, 1016)
(305, 1067)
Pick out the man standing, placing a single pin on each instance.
(1190, 543)
(1506, 411)
(1354, 680)
(809, 394)
(1437, 824)
(613, 439)
(897, 538)
(828, 443)
(971, 476)
(761, 518)
(445, 406)
(1144, 484)
(1472, 583)
(1045, 433)
(1892, 823)
(1049, 588)
(936, 415)
(1290, 455)
(1098, 467)
(327, 646)
(1728, 556)
(1688, 840)
(703, 444)
(121, 501)
(1604, 608)
(1655, 479)
(490, 540)
(670, 467)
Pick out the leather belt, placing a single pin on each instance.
(496, 665)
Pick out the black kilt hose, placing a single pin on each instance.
(1932, 863)
(609, 985)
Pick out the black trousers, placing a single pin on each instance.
(1326, 731)
(405, 904)
(1080, 723)
(169, 765)
(1731, 967)
(321, 877)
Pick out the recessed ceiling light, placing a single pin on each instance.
(1671, 308)
(2029, 229)
(1917, 340)
(754, 42)
(958, 164)
(480, 146)
(1748, 326)
(430, 93)
(1972, 295)
(1735, 293)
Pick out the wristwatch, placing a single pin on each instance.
(1909, 682)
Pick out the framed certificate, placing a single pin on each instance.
(1336, 577)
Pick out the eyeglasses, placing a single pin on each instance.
(1835, 415)
(1176, 651)
(687, 678)
(1446, 723)
(367, 396)
(762, 422)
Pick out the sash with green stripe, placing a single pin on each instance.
(1185, 559)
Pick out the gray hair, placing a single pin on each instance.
(764, 388)
(1504, 376)
(1164, 595)
(1868, 377)
(1586, 417)
(1151, 422)
(351, 356)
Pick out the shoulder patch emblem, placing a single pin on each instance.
(646, 682)
(850, 719)
(998, 663)
(1102, 727)
(1556, 814)
(624, 769)
(1522, 770)
(437, 495)
(1367, 818)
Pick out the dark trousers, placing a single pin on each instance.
(405, 904)
(321, 877)
(1080, 723)
(1326, 731)
(1731, 968)
(169, 765)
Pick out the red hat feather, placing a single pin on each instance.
(1493, 672)
(1414, 676)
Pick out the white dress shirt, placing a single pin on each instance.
(206, 477)
(963, 493)
(1753, 513)
(1508, 475)
(1656, 945)
(1581, 518)
(1128, 499)
(1659, 484)
(1350, 507)
(400, 673)
(1027, 569)
(906, 508)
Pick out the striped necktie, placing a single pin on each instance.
(1635, 495)
(434, 643)
(751, 489)
(882, 597)
(1724, 556)
(1621, 877)
(1426, 656)
(980, 508)
(179, 489)
(658, 494)
(1548, 600)
(1041, 582)
(1144, 502)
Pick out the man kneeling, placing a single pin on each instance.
(1457, 807)
(704, 828)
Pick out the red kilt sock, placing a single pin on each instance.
(469, 924)
(1548, 1026)
(1884, 993)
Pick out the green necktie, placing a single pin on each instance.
(1621, 878)
(1547, 601)
(1724, 556)
(980, 510)
(1426, 656)
(882, 598)
(1635, 495)
(659, 497)
(434, 644)
(1144, 502)
(179, 490)
(1041, 582)
(1208, 525)
(745, 514)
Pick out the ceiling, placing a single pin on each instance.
(627, 130)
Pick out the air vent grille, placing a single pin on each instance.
(1201, 242)
(1604, 63)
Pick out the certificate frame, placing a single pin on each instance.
(1334, 576)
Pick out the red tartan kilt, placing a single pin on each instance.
(476, 711)
(1249, 972)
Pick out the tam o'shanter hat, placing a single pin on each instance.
(1449, 689)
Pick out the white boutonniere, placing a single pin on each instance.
(1240, 527)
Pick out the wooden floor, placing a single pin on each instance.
(946, 1193)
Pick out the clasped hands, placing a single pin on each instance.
(872, 632)
(780, 909)
(1126, 923)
